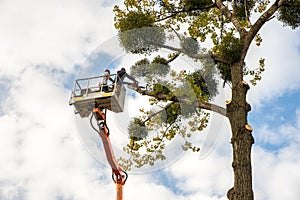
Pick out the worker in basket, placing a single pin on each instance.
(106, 77)
(122, 75)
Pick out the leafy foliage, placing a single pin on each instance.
(178, 118)
(203, 24)
(135, 20)
(143, 68)
(200, 85)
(195, 4)
(243, 8)
(138, 32)
(230, 48)
(155, 146)
(189, 46)
(143, 26)
(172, 113)
(137, 129)
(163, 89)
(257, 73)
(225, 72)
(142, 40)
(290, 14)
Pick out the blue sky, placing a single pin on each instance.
(43, 45)
(274, 113)
(277, 111)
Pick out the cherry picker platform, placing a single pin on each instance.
(89, 99)
(88, 94)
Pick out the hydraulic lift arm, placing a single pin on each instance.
(88, 98)
(119, 176)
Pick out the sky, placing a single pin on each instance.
(43, 45)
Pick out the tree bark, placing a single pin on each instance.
(242, 139)
(237, 112)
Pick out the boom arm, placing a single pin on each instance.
(119, 176)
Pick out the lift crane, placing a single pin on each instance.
(89, 99)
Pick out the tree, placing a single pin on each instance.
(230, 27)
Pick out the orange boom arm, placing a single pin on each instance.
(119, 176)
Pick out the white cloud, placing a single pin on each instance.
(57, 33)
(41, 156)
(207, 178)
(280, 48)
(275, 160)
(38, 144)
(142, 187)
(276, 175)
(276, 171)
(267, 135)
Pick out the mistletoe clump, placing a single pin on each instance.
(138, 34)
(189, 46)
(137, 129)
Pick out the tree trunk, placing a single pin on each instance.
(242, 139)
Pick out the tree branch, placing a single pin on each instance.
(231, 17)
(156, 113)
(212, 107)
(169, 16)
(174, 13)
(265, 17)
(214, 57)
(172, 59)
(182, 99)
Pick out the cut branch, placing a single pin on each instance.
(173, 58)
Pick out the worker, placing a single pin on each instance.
(105, 79)
(122, 75)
